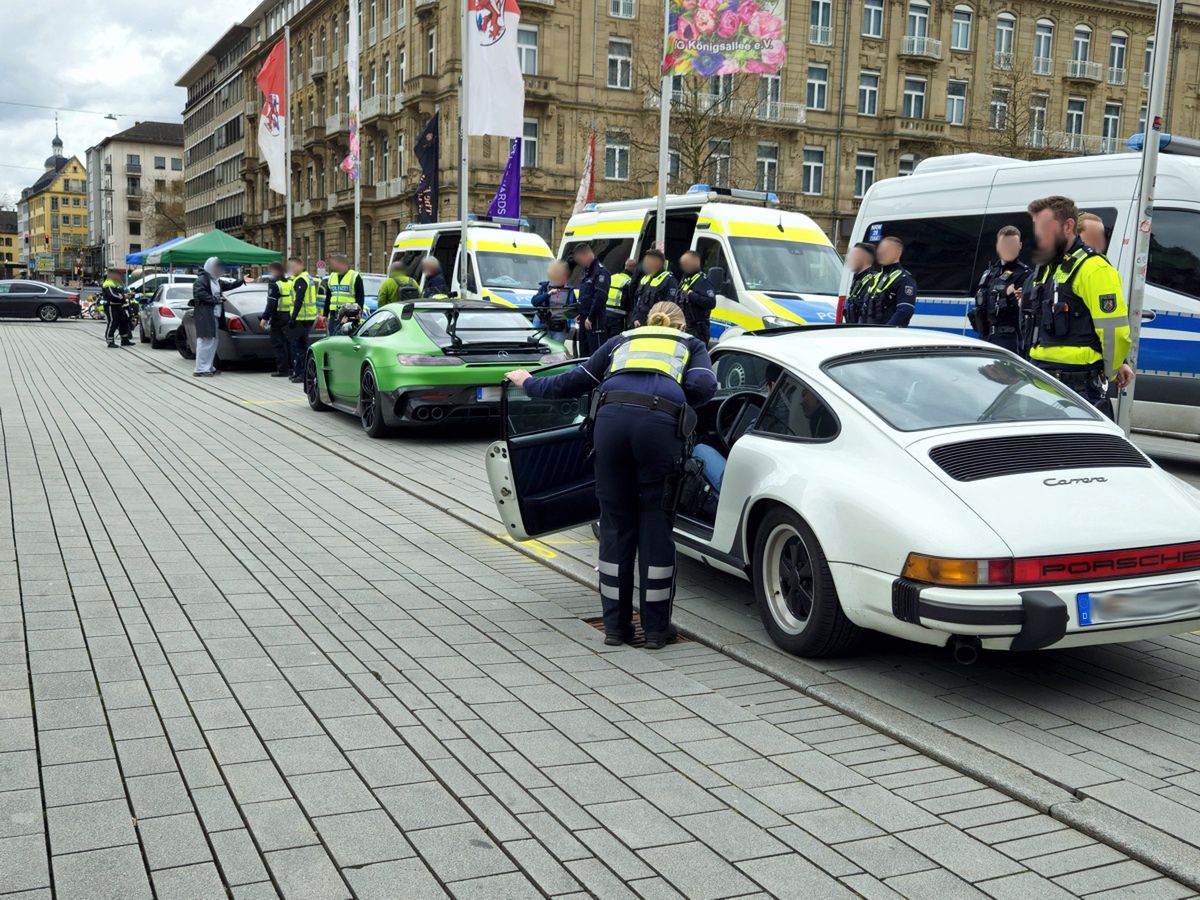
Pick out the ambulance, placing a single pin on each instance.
(770, 266)
(504, 266)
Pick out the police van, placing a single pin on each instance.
(949, 210)
(769, 266)
(503, 266)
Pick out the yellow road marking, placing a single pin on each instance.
(536, 546)
(265, 402)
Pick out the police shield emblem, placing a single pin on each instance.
(1108, 303)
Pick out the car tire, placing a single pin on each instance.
(797, 598)
(47, 312)
(155, 343)
(142, 336)
(370, 407)
(311, 390)
(181, 344)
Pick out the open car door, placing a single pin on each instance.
(541, 473)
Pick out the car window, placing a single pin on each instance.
(795, 411)
(528, 415)
(740, 371)
(381, 324)
(5, 288)
(612, 251)
(917, 391)
(1175, 251)
(770, 264)
(713, 254)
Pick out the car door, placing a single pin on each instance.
(541, 473)
(25, 298)
(347, 352)
(8, 299)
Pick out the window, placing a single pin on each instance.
(769, 89)
(622, 9)
(718, 154)
(135, 228)
(960, 28)
(616, 158)
(864, 173)
(1175, 251)
(712, 255)
(1037, 120)
(1043, 48)
(543, 226)
(794, 411)
(527, 49)
(908, 163)
(817, 90)
(160, 162)
(820, 21)
(956, 102)
(1117, 46)
(620, 64)
(998, 112)
(529, 144)
(1142, 119)
(767, 167)
(812, 179)
(721, 89)
(431, 51)
(872, 18)
(1006, 31)
(1149, 63)
(737, 370)
(135, 248)
(914, 98)
(868, 93)
(133, 159)
(918, 20)
(385, 157)
(1112, 127)
(1081, 44)
(1076, 109)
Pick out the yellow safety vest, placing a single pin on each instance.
(652, 348)
(309, 309)
(341, 288)
(287, 295)
(1080, 314)
(615, 284)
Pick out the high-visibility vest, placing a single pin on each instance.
(309, 309)
(615, 285)
(652, 348)
(341, 288)
(287, 295)
(1074, 328)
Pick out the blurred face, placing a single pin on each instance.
(1092, 233)
(1053, 236)
(858, 259)
(651, 265)
(557, 274)
(1008, 247)
(690, 263)
(887, 252)
(295, 267)
(339, 266)
(429, 267)
(584, 256)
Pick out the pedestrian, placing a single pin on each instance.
(996, 316)
(657, 284)
(861, 263)
(278, 317)
(696, 296)
(116, 312)
(208, 296)
(435, 282)
(344, 288)
(399, 285)
(1080, 320)
(891, 297)
(593, 297)
(1092, 233)
(553, 299)
(648, 380)
(621, 286)
(306, 304)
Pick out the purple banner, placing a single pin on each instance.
(507, 202)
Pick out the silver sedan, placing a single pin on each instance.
(163, 313)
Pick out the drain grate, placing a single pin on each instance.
(639, 635)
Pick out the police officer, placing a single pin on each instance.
(345, 288)
(695, 296)
(1080, 321)
(306, 304)
(996, 316)
(648, 379)
(620, 291)
(1091, 232)
(657, 284)
(114, 297)
(892, 296)
(861, 263)
(278, 316)
(593, 297)
(435, 282)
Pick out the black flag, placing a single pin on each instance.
(426, 149)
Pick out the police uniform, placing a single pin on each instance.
(436, 287)
(855, 310)
(891, 297)
(697, 298)
(553, 303)
(1080, 322)
(617, 306)
(645, 378)
(650, 290)
(996, 316)
(306, 304)
(593, 303)
(281, 296)
(344, 289)
(116, 312)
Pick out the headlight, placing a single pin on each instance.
(776, 322)
(552, 359)
(406, 359)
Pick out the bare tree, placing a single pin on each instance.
(164, 213)
(1016, 128)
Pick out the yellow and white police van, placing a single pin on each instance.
(949, 210)
(769, 266)
(503, 266)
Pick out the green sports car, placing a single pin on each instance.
(424, 362)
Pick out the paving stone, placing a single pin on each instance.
(536, 863)
(237, 857)
(90, 826)
(457, 852)
(1116, 875)
(638, 824)
(385, 766)
(252, 782)
(361, 838)
(885, 856)
(960, 853)
(279, 824)
(697, 871)
(389, 880)
(329, 793)
(173, 841)
(82, 783)
(732, 836)
(114, 874)
(23, 863)
(307, 872)
(936, 884)
(21, 812)
(424, 805)
(188, 882)
(1024, 886)
(216, 809)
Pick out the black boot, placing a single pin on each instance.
(612, 639)
(656, 641)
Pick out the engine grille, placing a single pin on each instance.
(1017, 454)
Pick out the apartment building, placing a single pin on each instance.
(870, 88)
(52, 214)
(10, 244)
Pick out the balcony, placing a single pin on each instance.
(133, 168)
(1043, 65)
(1074, 142)
(385, 27)
(421, 86)
(785, 113)
(301, 207)
(1002, 60)
(379, 105)
(917, 129)
(313, 134)
(1084, 70)
(422, 5)
(820, 35)
(331, 201)
(1111, 145)
(272, 214)
(921, 47)
(1116, 75)
(336, 123)
(316, 67)
(389, 190)
(1145, 80)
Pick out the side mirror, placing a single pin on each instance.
(719, 279)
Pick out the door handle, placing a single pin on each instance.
(1149, 315)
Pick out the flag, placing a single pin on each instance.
(350, 163)
(426, 151)
(495, 86)
(587, 181)
(507, 202)
(724, 37)
(272, 121)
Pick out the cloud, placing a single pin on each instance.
(132, 57)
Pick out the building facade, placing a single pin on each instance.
(10, 244)
(135, 191)
(870, 88)
(53, 216)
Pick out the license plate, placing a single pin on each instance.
(1162, 601)
(487, 394)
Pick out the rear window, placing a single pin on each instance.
(476, 326)
(918, 391)
(1175, 251)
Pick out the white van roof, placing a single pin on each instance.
(624, 216)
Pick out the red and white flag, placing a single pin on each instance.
(272, 123)
(495, 86)
(587, 181)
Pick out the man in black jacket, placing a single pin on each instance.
(657, 283)
(696, 296)
(114, 297)
(996, 316)
(281, 296)
(593, 297)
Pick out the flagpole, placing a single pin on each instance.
(664, 139)
(357, 12)
(287, 141)
(463, 156)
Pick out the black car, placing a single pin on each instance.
(36, 300)
(241, 336)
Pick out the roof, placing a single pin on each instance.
(165, 133)
(8, 221)
(809, 347)
(210, 56)
(225, 247)
(47, 178)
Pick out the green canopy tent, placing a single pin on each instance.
(197, 249)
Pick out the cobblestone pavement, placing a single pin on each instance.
(234, 664)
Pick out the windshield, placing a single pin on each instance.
(768, 264)
(371, 285)
(477, 326)
(520, 271)
(178, 293)
(939, 390)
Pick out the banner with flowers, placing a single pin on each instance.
(723, 37)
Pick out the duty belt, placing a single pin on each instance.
(633, 398)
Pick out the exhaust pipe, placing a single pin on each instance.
(421, 413)
(437, 414)
(965, 650)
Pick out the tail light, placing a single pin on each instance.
(552, 359)
(957, 572)
(406, 359)
(235, 324)
(167, 313)
(841, 308)
(73, 297)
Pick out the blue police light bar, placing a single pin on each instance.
(740, 194)
(1168, 143)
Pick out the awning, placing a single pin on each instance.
(195, 250)
(137, 259)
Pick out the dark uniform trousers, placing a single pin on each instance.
(281, 342)
(636, 450)
(118, 321)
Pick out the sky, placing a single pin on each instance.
(119, 56)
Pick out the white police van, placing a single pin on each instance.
(949, 210)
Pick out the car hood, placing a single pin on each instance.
(1076, 509)
(508, 296)
(811, 309)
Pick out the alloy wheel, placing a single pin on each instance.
(788, 579)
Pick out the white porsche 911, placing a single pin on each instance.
(911, 482)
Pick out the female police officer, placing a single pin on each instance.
(646, 379)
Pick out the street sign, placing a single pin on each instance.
(45, 262)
